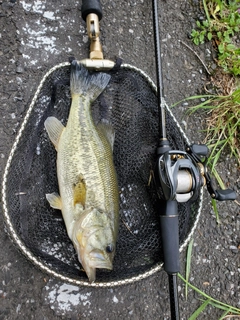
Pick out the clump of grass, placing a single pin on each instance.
(223, 131)
(221, 27)
(209, 301)
(223, 124)
(229, 312)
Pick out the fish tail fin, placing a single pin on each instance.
(82, 82)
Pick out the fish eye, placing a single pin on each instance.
(109, 248)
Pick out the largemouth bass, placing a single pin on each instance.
(89, 197)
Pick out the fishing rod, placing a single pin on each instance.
(181, 175)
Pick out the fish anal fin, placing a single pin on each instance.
(54, 200)
(79, 191)
(54, 129)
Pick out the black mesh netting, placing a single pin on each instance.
(131, 105)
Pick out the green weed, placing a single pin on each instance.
(220, 27)
(223, 129)
(223, 124)
(228, 311)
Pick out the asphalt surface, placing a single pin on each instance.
(35, 36)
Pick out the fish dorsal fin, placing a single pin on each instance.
(79, 191)
(107, 129)
(54, 129)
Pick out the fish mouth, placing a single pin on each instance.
(96, 260)
(99, 260)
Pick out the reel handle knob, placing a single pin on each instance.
(224, 195)
(91, 6)
(199, 149)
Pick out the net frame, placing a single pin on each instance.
(10, 225)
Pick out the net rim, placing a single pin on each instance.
(13, 234)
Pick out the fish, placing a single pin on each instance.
(87, 180)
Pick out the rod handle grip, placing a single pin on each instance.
(91, 6)
(170, 237)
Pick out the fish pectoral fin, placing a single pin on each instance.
(106, 127)
(54, 129)
(54, 200)
(79, 191)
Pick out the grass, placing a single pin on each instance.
(188, 265)
(221, 27)
(222, 115)
(223, 131)
(229, 312)
(223, 126)
(209, 301)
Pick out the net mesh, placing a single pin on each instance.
(130, 103)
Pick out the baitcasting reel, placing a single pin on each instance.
(182, 174)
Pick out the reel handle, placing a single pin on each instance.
(91, 6)
(220, 195)
(197, 151)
